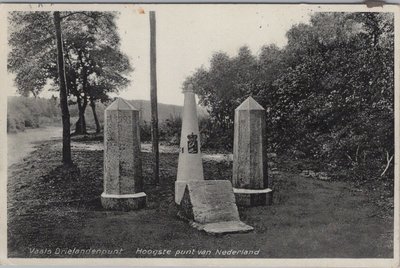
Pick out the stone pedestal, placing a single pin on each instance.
(252, 198)
(250, 179)
(123, 183)
(124, 202)
(190, 165)
(210, 206)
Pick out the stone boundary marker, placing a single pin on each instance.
(210, 206)
(190, 165)
(123, 182)
(250, 167)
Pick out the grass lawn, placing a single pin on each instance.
(49, 208)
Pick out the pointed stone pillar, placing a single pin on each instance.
(123, 183)
(208, 205)
(190, 165)
(250, 179)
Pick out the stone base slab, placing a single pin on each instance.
(210, 206)
(224, 227)
(124, 202)
(218, 228)
(253, 197)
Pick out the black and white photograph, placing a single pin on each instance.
(209, 132)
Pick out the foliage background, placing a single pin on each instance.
(328, 94)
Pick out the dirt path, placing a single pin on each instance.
(145, 148)
(20, 144)
(51, 209)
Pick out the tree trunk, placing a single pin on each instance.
(80, 125)
(66, 150)
(153, 98)
(96, 120)
(85, 103)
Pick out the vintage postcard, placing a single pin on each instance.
(199, 134)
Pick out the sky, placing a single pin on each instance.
(188, 35)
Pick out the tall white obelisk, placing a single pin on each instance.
(190, 165)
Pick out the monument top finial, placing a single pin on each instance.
(250, 104)
(188, 88)
(120, 104)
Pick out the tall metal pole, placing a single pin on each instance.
(153, 98)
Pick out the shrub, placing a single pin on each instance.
(24, 112)
(145, 132)
(170, 130)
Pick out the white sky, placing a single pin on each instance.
(187, 36)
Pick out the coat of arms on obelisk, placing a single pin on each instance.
(192, 144)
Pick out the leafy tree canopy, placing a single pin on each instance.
(95, 64)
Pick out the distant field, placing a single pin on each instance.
(165, 111)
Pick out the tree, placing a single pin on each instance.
(37, 53)
(66, 151)
(339, 86)
(94, 63)
(223, 87)
(97, 65)
(33, 55)
(329, 93)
